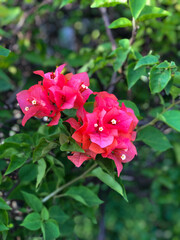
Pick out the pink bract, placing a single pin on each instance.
(108, 130)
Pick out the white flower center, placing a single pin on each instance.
(123, 157)
(84, 86)
(113, 121)
(101, 129)
(26, 109)
(34, 102)
(95, 125)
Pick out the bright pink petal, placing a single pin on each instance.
(74, 124)
(101, 139)
(78, 158)
(39, 72)
(30, 113)
(55, 119)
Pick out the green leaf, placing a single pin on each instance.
(175, 91)
(20, 138)
(16, 162)
(4, 205)
(50, 230)
(131, 105)
(164, 64)
(84, 195)
(3, 227)
(107, 3)
(159, 78)
(41, 171)
(28, 172)
(8, 14)
(171, 118)
(146, 60)
(176, 79)
(58, 214)
(32, 221)
(134, 75)
(120, 23)
(106, 164)
(89, 106)
(109, 181)
(121, 55)
(71, 146)
(154, 138)
(44, 214)
(65, 2)
(150, 12)
(43, 148)
(33, 201)
(4, 51)
(136, 7)
(5, 82)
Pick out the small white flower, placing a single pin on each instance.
(26, 109)
(95, 125)
(34, 102)
(113, 121)
(101, 129)
(123, 157)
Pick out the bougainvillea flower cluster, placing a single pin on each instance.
(55, 93)
(108, 130)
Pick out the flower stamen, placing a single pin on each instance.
(34, 102)
(123, 157)
(113, 121)
(101, 129)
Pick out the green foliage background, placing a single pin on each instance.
(131, 50)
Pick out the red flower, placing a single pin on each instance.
(35, 103)
(57, 92)
(108, 131)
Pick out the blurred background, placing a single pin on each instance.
(41, 35)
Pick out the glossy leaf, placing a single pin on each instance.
(4, 205)
(134, 75)
(136, 7)
(50, 230)
(171, 118)
(159, 79)
(150, 12)
(43, 148)
(107, 3)
(41, 171)
(84, 195)
(146, 60)
(71, 146)
(4, 51)
(110, 181)
(58, 214)
(154, 138)
(32, 221)
(120, 23)
(33, 201)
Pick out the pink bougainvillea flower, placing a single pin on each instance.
(108, 130)
(35, 102)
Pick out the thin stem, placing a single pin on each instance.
(108, 30)
(157, 119)
(69, 183)
(134, 31)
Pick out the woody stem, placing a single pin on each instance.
(83, 175)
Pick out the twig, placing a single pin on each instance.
(28, 13)
(107, 23)
(157, 118)
(69, 183)
(134, 31)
